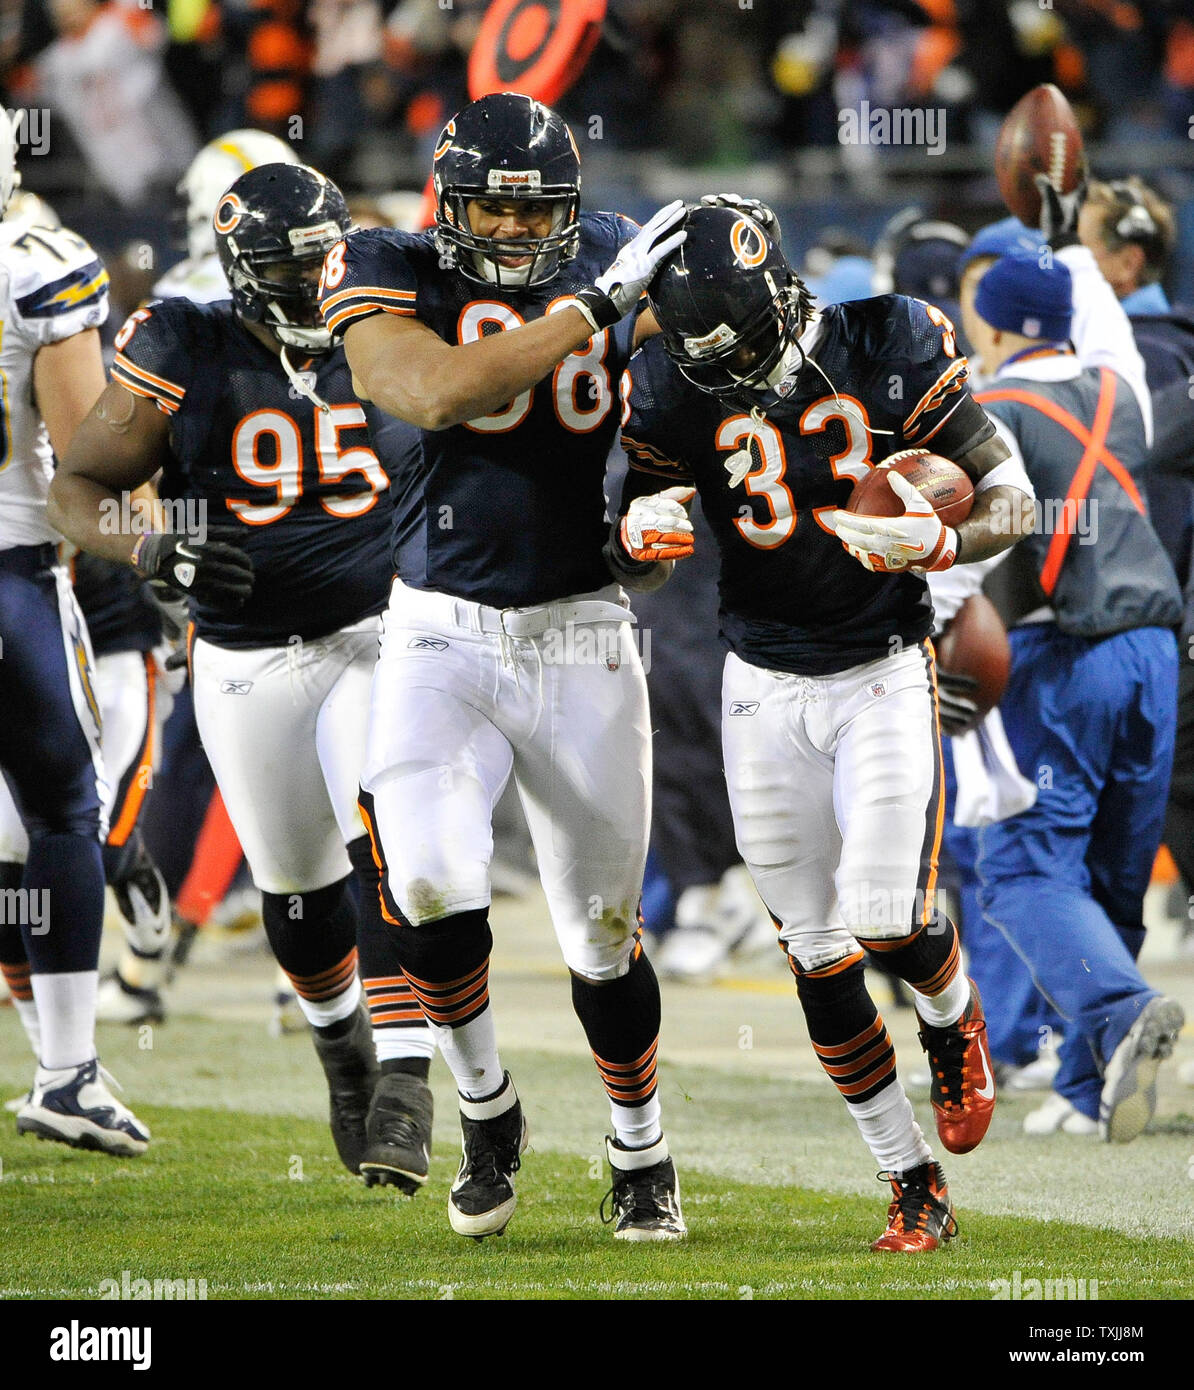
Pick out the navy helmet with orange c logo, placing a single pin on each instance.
(506, 147)
(273, 227)
(729, 307)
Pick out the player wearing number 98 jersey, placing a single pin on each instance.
(503, 333)
(829, 720)
(280, 540)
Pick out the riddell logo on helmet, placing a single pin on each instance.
(701, 347)
(302, 237)
(515, 178)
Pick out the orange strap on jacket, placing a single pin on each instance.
(1095, 451)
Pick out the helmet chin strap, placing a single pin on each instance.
(300, 385)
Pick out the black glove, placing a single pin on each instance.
(212, 570)
(958, 711)
(1059, 211)
(749, 207)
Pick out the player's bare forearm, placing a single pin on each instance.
(116, 450)
(1000, 517)
(409, 371)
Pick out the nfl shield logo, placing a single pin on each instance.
(878, 689)
(613, 662)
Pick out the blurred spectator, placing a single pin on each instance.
(104, 76)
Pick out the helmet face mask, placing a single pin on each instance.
(730, 309)
(506, 148)
(480, 257)
(273, 228)
(288, 291)
(756, 359)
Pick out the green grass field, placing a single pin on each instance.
(241, 1186)
(215, 1199)
(257, 1205)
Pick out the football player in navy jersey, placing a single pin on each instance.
(503, 333)
(284, 560)
(773, 411)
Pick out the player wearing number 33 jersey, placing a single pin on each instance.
(832, 748)
(503, 333)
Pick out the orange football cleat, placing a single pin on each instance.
(921, 1216)
(963, 1077)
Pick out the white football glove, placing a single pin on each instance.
(617, 290)
(919, 540)
(657, 527)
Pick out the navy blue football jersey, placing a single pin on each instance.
(508, 509)
(792, 598)
(302, 491)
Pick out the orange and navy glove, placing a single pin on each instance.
(918, 541)
(657, 527)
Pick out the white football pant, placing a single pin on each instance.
(284, 731)
(837, 794)
(463, 695)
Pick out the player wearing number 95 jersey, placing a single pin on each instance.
(832, 748)
(503, 334)
(280, 541)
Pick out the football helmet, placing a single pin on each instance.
(730, 308)
(506, 146)
(217, 165)
(273, 228)
(9, 178)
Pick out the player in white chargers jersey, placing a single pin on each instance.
(135, 694)
(284, 558)
(200, 277)
(53, 297)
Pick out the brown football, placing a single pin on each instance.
(946, 486)
(1039, 136)
(975, 644)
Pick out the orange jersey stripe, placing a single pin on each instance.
(171, 388)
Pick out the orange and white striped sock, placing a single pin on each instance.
(621, 1022)
(854, 1048)
(929, 961)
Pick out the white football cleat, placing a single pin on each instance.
(116, 1001)
(1058, 1116)
(74, 1106)
(1130, 1081)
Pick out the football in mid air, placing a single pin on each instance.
(975, 644)
(946, 486)
(1039, 136)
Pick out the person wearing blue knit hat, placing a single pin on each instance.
(1022, 296)
(1090, 600)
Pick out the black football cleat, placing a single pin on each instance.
(644, 1199)
(482, 1198)
(350, 1064)
(398, 1133)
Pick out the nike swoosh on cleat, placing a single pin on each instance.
(986, 1092)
